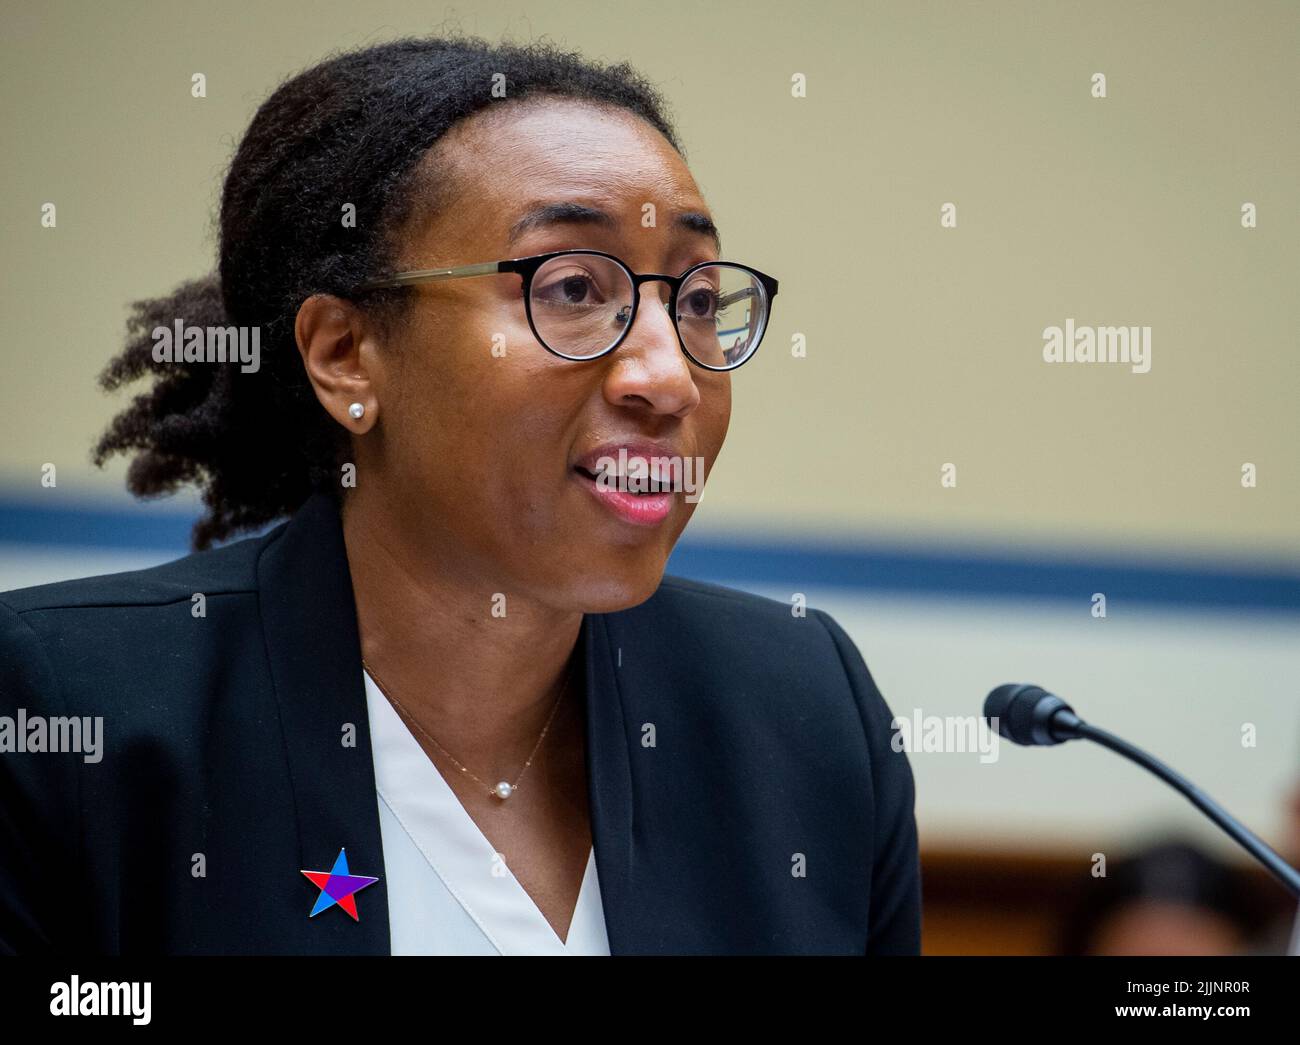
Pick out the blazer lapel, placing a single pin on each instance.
(661, 852)
(314, 649)
(609, 789)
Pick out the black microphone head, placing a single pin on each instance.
(1023, 714)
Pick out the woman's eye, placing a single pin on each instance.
(575, 289)
(701, 303)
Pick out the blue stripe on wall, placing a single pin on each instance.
(916, 570)
(798, 564)
(132, 526)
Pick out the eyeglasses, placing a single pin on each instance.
(582, 303)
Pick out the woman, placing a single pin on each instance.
(452, 705)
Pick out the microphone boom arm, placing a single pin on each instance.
(1244, 837)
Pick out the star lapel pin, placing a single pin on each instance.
(338, 886)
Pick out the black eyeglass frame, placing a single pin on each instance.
(527, 268)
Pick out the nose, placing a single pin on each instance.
(649, 368)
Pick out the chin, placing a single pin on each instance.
(608, 591)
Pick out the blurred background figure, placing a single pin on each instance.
(1280, 934)
(1175, 898)
(1178, 895)
(1172, 898)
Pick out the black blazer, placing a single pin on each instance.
(222, 736)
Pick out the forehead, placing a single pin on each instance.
(505, 161)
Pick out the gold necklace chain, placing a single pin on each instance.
(502, 790)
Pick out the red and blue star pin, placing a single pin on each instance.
(338, 887)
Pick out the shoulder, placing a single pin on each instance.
(734, 645)
(782, 683)
(87, 642)
(752, 625)
(737, 646)
(229, 569)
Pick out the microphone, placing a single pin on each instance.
(1026, 714)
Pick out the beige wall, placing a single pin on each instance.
(924, 344)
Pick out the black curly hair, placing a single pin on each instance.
(352, 129)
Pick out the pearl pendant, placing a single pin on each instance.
(504, 790)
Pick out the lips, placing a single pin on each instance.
(627, 481)
(639, 509)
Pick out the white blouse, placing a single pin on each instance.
(444, 896)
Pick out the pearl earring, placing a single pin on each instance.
(356, 410)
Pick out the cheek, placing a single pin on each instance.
(457, 380)
(490, 430)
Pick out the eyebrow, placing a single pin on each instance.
(581, 214)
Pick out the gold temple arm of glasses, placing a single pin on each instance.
(406, 279)
(732, 298)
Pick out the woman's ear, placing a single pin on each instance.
(336, 345)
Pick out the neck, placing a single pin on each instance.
(484, 685)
